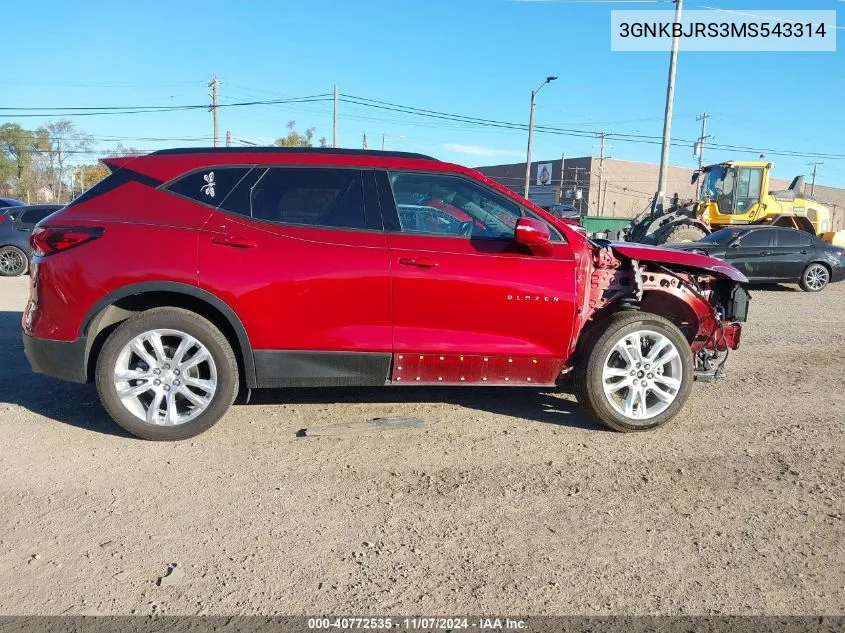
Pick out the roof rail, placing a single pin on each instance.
(287, 150)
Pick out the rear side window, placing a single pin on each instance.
(34, 216)
(211, 186)
(311, 197)
(793, 238)
(756, 238)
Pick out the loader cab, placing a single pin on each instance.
(733, 192)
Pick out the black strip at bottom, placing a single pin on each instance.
(275, 368)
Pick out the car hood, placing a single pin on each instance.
(680, 257)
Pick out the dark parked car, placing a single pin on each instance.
(10, 202)
(773, 254)
(15, 226)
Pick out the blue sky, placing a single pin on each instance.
(472, 57)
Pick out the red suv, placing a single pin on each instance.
(189, 274)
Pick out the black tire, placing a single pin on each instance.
(682, 233)
(815, 278)
(593, 352)
(13, 261)
(186, 322)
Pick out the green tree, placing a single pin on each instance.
(17, 148)
(88, 175)
(295, 139)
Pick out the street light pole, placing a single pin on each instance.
(667, 117)
(531, 133)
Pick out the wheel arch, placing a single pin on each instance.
(664, 304)
(820, 262)
(121, 304)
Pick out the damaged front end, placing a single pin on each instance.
(704, 297)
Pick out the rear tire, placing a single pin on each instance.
(13, 261)
(815, 278)
(656, 388)
(166, 374)
(682, 233)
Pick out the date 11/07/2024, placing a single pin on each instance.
(416, 623)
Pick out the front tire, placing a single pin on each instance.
(815, 278)
(166, 374)
(682, 233)
(13, 261)
(635, 372)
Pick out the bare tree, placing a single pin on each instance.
(61, 140)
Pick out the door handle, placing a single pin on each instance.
(419, 262)
(765, 253)
(234, 242)
(803, 251)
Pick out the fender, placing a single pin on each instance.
(188, 290)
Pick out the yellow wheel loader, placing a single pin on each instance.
(733, 193)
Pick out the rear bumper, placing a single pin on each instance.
(59, 359)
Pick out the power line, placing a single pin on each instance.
(631, 138)
(104, 110)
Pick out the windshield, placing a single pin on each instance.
(718, 185)
(725, 236)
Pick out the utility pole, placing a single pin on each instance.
(667, 117)
(228, 138)
(813, 184)
(383, 135)
(701, 139)
(531, 133)
(599, 201)
(604, 198)
(575, 197)
(562, 175)
(213, 84)
(334, 119)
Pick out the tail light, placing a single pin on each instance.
(47, 240)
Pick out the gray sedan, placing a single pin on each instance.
(16, 223)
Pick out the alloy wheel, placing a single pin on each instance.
(642, 375)
(817, 277)
(12, 261)
(165, 377)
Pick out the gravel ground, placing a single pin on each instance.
(503, 501)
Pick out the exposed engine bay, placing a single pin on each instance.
(708, 307)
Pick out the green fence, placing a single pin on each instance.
(594, 223)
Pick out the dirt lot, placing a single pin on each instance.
(504, 501)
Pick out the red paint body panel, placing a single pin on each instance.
(301, 288)
(482, 296)
(662, 255)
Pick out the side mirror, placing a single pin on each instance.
(694, 178)
(531, 232)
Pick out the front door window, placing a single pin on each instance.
(434, 204)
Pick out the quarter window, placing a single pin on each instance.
(212, 186)
(312, 197)
(437, 204)
(793, 238)
(34, 216)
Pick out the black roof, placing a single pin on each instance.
(288, 150)
(41, 207)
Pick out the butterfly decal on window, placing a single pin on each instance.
(208, 187)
